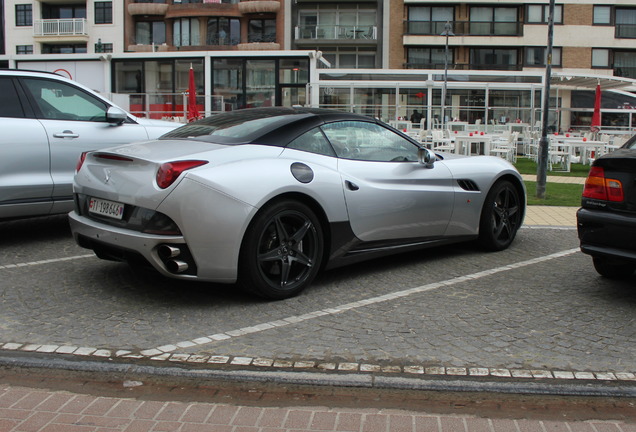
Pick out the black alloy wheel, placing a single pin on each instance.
(282, 251)
(500, 217)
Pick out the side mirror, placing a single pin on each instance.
(426, 157)
(116, 115)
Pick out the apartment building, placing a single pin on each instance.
(589, 35)
(348, 33)
(194, 25)
(54, 27)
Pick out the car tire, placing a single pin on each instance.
(500, 216)
(613, 270)
(282, 250)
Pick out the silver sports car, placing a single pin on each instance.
(267, 197)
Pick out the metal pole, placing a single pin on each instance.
(544, 144)
(447, 32)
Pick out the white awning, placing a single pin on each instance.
(589, 82)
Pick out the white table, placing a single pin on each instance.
(475, 145)
(585, 146)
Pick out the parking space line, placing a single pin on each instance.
(349, 306)
(49, 261)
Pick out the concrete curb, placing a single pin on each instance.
(378, 381)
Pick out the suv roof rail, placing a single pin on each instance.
(31, 70)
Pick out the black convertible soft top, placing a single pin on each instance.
(269, 126)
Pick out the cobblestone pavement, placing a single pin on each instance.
(536, 306)
(536, 313)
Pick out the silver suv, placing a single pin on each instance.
(46, 122)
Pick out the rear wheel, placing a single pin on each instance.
(500, 216)
(282, 251)
(613, 270)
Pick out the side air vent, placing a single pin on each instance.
(468, 185)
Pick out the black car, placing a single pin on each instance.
(606, 220)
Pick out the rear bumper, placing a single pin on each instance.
(606, 234)
(119, 244)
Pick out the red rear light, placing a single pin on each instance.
(80, 161)
(601, 188)
(170, 171)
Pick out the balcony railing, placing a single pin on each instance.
(627, 31)
(464, 28)
(625, 72)
(497, 67)
(60, 27)
(178, 2)
(331, 32)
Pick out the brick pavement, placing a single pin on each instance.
(33, 409)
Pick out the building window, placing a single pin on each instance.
(150, 32)
(24, 49)
(425, 20)
(186, 32)
(262, 30)
(625, 64)
(64, 49)
(494, 21)
(602, 15)
(63, 11)
(23, 15)
(494, 58)
(536, 56)
(600, 58)
(349, 58)
(540, 14)
(103, 12)
(223, 31)
(332, 21)
(428, 58)
(626, 23)
(103, 47)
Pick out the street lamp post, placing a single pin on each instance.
(447, 32)
(544, 142)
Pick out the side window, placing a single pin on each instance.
(313, 142)
(370, 142)
(10, 105)
(60, 101)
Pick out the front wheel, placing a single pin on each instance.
(282, 251)
(500, 217)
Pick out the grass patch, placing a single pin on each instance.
(528, 166)
(556, 194)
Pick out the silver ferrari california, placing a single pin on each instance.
(267, 197)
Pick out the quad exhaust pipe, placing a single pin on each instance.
(176, 266)
(166, 251)
(168, 255)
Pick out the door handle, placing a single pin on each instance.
(351, 186)
(66, 134)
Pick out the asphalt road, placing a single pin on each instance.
(538, 306)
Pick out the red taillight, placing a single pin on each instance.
(601, 188)
(80, 161)
(170, 171)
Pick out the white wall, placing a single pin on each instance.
(92, 74)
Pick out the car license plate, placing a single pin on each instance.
(102, 207)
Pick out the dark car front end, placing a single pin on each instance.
(606, 221)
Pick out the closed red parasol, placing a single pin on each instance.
(596, 117)
(193, 111)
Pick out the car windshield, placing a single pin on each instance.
(237, 127)
(631, 143)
